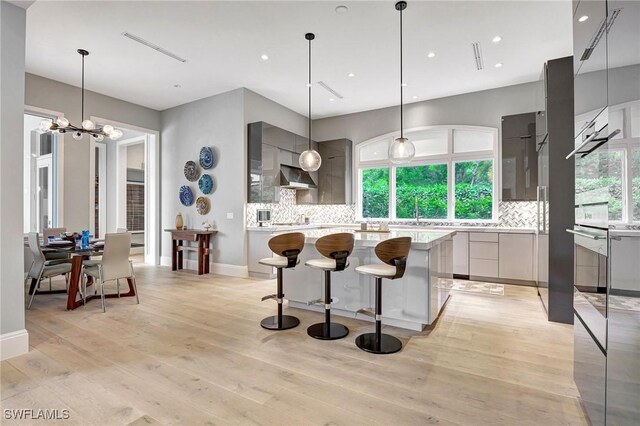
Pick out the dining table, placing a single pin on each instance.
(78, 255)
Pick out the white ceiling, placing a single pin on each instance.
(223, 42)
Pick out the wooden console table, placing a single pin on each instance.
(204, 250)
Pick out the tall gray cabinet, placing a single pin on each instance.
(607, 81)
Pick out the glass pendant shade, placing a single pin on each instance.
(88, 125)
(310, 160)
(99, 138)
(401, 151)
(108, 129)
(78, 135)
(62, 122)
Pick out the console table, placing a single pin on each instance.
(203, 249)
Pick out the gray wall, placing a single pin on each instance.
(478, 108)
(218, 121)
(12, 48)
(52, 95)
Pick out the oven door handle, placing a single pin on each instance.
(584, 234)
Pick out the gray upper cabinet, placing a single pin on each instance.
(280, 138)
(519, 157)
(334, 176)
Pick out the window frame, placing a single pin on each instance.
(450, 159)
(57, 164)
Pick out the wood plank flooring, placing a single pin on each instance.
(193, 353)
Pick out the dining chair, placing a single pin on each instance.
(43, 268)
(115, 265)
(54, 255)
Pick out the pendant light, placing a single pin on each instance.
(62, 125)
(402, 149)
(310, 159)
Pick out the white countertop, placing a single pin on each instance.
(422, 239)
(280, 228)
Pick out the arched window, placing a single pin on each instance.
(452, 177)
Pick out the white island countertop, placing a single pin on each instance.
(410, 227)
(421, 239)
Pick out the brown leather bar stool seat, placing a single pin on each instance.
(393, 252)
(336, 249)
(287, 247)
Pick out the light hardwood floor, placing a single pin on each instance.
(193, 352)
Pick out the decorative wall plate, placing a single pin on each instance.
(205, 184)
(186, 195)
(191, 171)
(202, 205)
(206, 157)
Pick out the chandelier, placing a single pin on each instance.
(62, 125)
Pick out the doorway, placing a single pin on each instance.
(125, 196)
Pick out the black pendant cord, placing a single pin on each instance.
(82, 107)
(401, 82)
(309, 86)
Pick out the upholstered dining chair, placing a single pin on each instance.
(115, 265)
(54, 255)
(43, 268)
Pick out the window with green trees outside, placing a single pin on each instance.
(425, 184)
(474, 189)
(375, 193)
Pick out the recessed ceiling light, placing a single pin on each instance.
(342, 9)
(414, 97)
(583, 18)
(177, 86)
(351, 74)
(498, 65)
(431, 55)
(331, 99)
(404, 84)
(497, 39)
(264, 57)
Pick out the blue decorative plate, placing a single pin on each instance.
(205, 184)
(206, 157)
(186, 196)
(191, 171)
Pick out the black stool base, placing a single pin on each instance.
(388, 344)
(324, 331)
(271, 323)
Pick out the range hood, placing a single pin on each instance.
(295, 178)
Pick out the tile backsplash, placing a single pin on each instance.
(512, 214)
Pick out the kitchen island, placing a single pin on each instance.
(411, 302)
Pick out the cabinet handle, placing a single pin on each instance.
(584, 234)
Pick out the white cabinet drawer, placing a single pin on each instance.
(483, 268)
(487, 251)
(484, 236)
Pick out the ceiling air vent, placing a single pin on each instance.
(477, 55)
(153, 46)
(326, 87)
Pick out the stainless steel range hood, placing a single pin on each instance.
(295, 178)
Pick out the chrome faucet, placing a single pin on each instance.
(416, 211)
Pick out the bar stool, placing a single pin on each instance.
(393, 252)
(335, 248)
(289, 247)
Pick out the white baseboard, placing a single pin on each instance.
(13, 344)
(240, 271)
